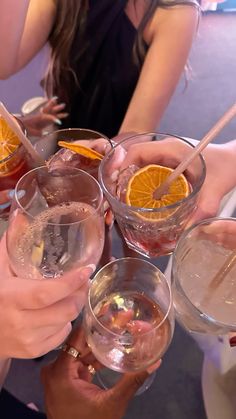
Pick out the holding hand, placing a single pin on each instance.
(36, 315)
(70, 393)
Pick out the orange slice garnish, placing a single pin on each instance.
(145, 181)
(9, 142)
(82, 150)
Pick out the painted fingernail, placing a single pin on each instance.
(92, 267)
(232, 342)
(19, 194)
(153, 367)
(54, 98)
(115, 175)
(57, 121)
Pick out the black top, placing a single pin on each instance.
(106, 69)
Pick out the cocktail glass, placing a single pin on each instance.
(56, 223)
(150, 232)
(128, 318)
(48, 147)
(204, 277)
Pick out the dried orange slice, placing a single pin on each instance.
(9, 142)
(145, 181)
(82, 150)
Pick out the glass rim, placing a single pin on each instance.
(74, 169)
(180, 242)
(58, 131)
(19, 146)
(170, 305)
(151, 210)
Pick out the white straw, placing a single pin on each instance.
(214, 131)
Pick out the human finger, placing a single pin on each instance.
(77, 342)
(37, 294)
(129, 384)
(58, 107)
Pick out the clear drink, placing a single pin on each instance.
(59, 239)
(56, 225)
(204, 304)
(128, 315)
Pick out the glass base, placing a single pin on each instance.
(107, 378)
(147, 254)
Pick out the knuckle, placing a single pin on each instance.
(41, 298)
(73, 309)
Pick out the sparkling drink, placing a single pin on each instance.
(49, 246)
(203, 303)
(128, 315)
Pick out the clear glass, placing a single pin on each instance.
(47, 146)
(158, 236)
(204, 277)
(11, 169)
(56, 223)
(128, 318)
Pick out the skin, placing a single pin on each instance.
(76, 396)
(161, 69)
(36, 315)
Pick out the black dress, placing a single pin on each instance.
(107, 71)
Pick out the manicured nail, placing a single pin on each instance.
(54, 98)
(115, 175)
(232, 342)
(57, 121)
(19, 194)
(92, 267)
(153, 367)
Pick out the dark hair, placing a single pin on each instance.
(70, 19)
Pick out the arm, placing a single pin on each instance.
(24, 29)
(170, 35)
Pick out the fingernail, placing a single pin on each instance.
(19, 194)
(153, 367)
(115, 175)
(232, 342)
(57, 121)
(54, 98)
(92, 267)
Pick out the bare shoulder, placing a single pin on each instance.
(173, 17)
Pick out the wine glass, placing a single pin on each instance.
(56, 223)
(204, 277)
(150, 231)
(128, 318)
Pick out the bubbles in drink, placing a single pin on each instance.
(59, 239)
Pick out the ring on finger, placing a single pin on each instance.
(70, 350)
(91, 369)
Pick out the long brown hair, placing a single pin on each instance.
(70, 19)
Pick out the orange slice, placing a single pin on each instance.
(9, 142)
(82, 150)
(145, 181)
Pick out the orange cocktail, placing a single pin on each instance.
(13, 160)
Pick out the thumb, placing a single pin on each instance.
(129, 384)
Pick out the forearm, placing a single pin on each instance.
(12, 21)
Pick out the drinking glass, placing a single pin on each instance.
(128, 318)
(204, 277)
(150, 231)
(56, 223)
(48, 147)
(12, 168)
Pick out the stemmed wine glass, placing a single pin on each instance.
(128, 318)
(56, 223)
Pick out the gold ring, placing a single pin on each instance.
(91, 370)
(71, 351)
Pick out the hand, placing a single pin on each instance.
(69, 392)
(36, 315)
(49, 113)
(220, 179)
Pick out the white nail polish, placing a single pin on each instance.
(91, 266)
